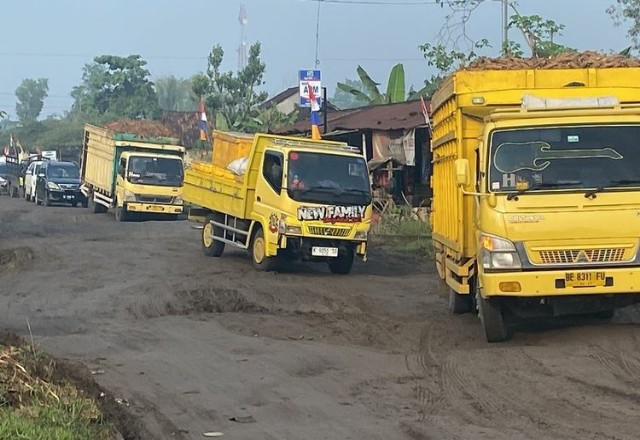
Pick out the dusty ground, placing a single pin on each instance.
(195, 344)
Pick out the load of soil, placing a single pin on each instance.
(142, 127)
(567, 60)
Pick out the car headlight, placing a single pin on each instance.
(498, 253)
(52, 185)
(129, 196)
(361, 235)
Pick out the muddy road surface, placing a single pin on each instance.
(191, 344)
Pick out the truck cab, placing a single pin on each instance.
(149, 182)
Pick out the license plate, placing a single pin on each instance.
(585, 279)
(317, 251)
(155, 208)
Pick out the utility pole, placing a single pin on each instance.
(505, 27)
(242, 47)
(318, 34)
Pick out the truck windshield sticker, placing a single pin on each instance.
(332, 214)
(510, 157)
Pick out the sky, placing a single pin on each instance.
(54, 39)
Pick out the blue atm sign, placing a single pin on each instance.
(309, 79)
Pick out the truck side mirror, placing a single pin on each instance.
(121, 171)
(463, 176)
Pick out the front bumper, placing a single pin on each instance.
(66, 196)
(303, 246)
(550, 283)
(155, 208)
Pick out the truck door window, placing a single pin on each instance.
(272, 169)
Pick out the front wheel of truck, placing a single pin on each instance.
(121, 214)
(211, 246)
(343, 263)
(261, 261)
(491, 316)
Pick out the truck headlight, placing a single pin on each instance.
(129, 196)
(498, 253)
(52, 185)
(177, 200)
(361, 235)
(284, 228)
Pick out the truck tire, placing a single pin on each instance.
(492, 318)
(261, 261)
(458, 303)
(210, 246)
(343, 263)
(121, 214)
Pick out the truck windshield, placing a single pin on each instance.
(575, 157)
(159, 171)
(328, 178)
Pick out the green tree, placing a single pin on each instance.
(232, 96)
(370, 94)
(269, 119)
(346, 100)
(30, 94)
(623, 11)
(116, 87)
(176, 94)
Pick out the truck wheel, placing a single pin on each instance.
(121, 214)
(343, 263)
(211, 246)
(458, 303)
(259, 256)
(492, 319)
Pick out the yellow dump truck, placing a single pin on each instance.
(282, 198)
(132, 173)
(536, 192)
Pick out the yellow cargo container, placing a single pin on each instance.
(132, 173)
(282, 198)
(536, 192)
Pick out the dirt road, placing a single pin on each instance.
(196, 344)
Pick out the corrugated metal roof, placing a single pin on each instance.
(399, 116)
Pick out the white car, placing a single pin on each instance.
(30, 178)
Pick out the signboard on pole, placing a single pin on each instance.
(309, 78)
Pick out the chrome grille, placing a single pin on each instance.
(329, 231)
(68, 185)
(582, 256)
(154, 199)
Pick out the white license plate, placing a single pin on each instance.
(317, 251)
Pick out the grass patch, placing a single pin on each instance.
(402, 231)
(35, 405)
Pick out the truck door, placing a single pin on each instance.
(268, 202)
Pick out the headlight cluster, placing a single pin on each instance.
(361, 235)
(52, 185)
(498, 253)
(284, 228)
(129, 196)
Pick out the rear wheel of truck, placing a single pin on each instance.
(343, 263)
(491, 316)
(259, 253)
(458, 303)
(211, 246)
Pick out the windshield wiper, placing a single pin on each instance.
(514, 195)
(612, 184)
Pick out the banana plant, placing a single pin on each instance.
(372, 95)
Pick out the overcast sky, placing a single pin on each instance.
(54, 39)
